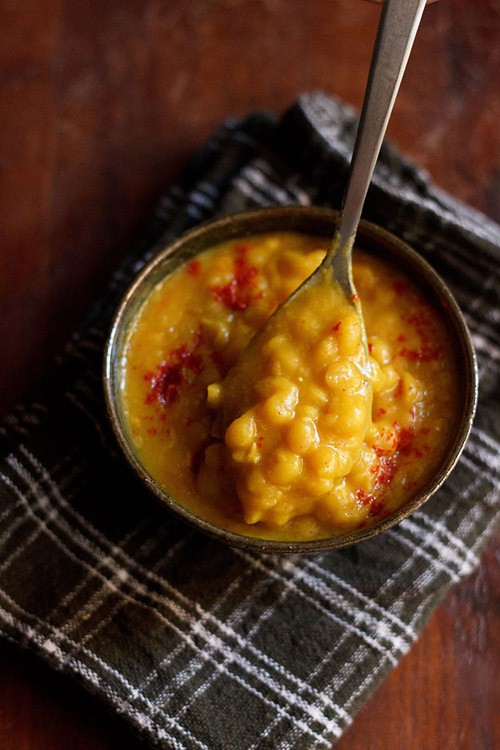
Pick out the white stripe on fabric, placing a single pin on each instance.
(487, 452)
(253, 182)
(469, 458)
(264, 179)
(12, 508)
(399, 534)
(487, 439)
(426, 579)
(240, 611)
(448, 536)
(16, 523)
(481, 343)
(447, 555)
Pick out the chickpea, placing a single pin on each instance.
(278, 409)
(287, 359)
(214, 395)
(314, 395)
(378, 379)
(317, 485)
(348, 415)
(343, 375)
(385, 438)
(241, 432)
(324, 461)
(283, 467)
(339, 507)
(348, 335)
(277, 385)
(311, 261)
(325, 352)
(306, 410)
(411, 389)
(257, 484)
(305, 326)
(273, 346)
(379, 350)
(301, 435)
(391, 378)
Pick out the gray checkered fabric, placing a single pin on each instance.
(196, 645)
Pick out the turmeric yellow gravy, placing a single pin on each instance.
(325, 441)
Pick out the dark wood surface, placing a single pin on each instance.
(101, 103)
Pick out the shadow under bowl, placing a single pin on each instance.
(307, 220)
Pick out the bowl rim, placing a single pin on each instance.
(288, 218)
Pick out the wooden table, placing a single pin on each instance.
(101, 104)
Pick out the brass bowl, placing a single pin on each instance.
(307, 220)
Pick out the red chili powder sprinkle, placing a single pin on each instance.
(370, 348)
(371, 500)
(238, 293)
(152, 431)
(405, 438)
(337, 326)
(355, 297)
(386, 468)
(180, 368)
(193, 267)
(364, 497)
(382, 411)
(375, 509)
(425, 329)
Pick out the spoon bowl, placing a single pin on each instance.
(327, 294)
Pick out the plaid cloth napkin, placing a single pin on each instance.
(197, 645)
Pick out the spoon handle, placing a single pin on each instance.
(396, 32)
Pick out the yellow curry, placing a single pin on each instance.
(324, 440)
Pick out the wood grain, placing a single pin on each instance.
(101, 104)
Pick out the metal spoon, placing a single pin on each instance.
(397, 29)
(396, 32)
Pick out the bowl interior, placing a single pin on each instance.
(371, 239)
